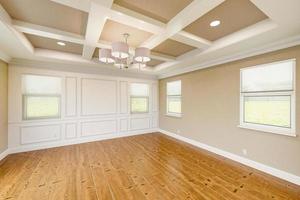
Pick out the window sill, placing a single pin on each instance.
(269, 129)
(174, 115)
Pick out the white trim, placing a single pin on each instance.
(4, 57)
(26, 148)
(177, 115)
(256, 165)
(4, 154)
(282, 44)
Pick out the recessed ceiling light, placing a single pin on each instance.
(61, 43)
(215, 23)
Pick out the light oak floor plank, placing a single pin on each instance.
(144, 167)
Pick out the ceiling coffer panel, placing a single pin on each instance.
(51, 44)
(234, 15)
(173, 48)
(47, 13)
(113, 32)
(161, 10)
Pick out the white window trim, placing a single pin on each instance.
(291, 131)
(173, 114)
(24, 99)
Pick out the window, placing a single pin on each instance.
(139, 98)
(174, 98)
(41, 97)
(267, 98)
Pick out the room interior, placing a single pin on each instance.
(136, 99)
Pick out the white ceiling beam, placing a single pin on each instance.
(6, 20)
(275, 10)
(98, 15)
(47, 32)
(136, 20)
(56, 34)
(191, 39)
(83, 5)
(189, 14)
(246, 33)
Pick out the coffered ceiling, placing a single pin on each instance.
(113, 31)
(162, 11)
(173, 48)
(234, 15)
(51, 44)
(178, 32)
(47, 13)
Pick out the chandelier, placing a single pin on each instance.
(119, 55)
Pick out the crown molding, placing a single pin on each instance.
(4, 57)
(81, 68)
(282, 44)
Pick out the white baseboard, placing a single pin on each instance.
(261, 167)
(4, 154)
(53, 144)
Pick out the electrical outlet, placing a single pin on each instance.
(245, 152)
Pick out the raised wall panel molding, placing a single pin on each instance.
(123, 125)
(98, 97)
(140, 123)
(154, 122)
(98, 127)
(41, 133)
(71, 130)
(124, 97)
(154, 97)
(71, 97)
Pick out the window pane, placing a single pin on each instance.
(139, 104)
(33, 84)
(174, 104)
(272, 77)
(174, 88)
(42, 107)
(139, 89)
(272, 110)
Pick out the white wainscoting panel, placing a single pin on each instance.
(44, 133)
(155, 122)
(154, 97)
(123, 125)
(123, 97)
(98, 127)
(93, 107)
(71, 130)
(71, 96)
(139, 123)
(98, 97)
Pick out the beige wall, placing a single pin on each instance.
(210, 106)
(3, 106)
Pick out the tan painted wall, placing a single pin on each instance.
(3, 105)
(210, 106)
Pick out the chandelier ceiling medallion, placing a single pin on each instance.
(119, 55)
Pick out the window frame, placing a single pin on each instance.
(289, 131)
(24, 100)
(140, 96)
(174, 114)
(26, 95)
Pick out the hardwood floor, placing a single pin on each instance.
(151, 166)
